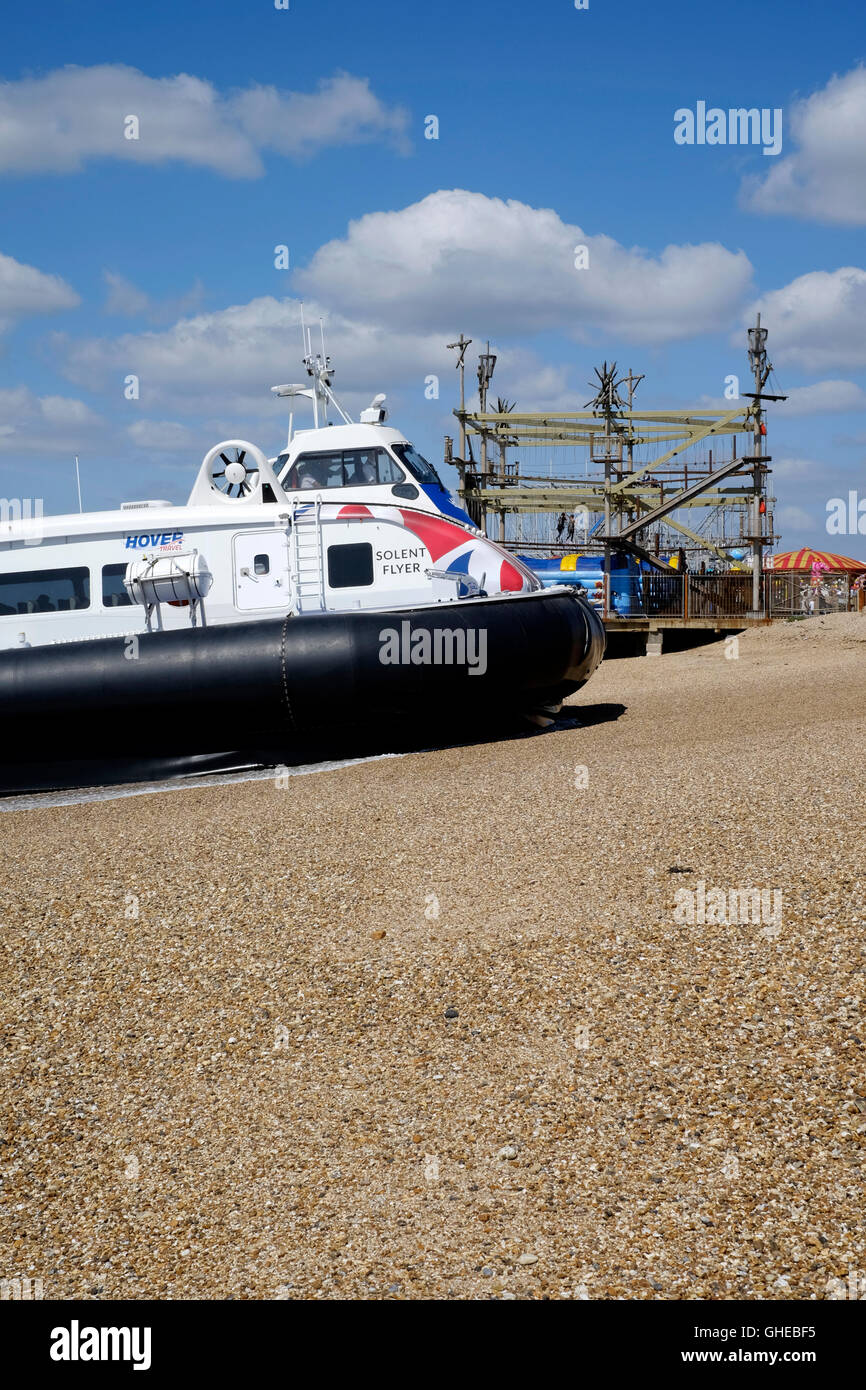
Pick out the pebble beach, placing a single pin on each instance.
(458, 1024)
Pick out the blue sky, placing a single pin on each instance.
(306, 128)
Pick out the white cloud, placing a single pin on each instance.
(222, 364)
(454, 260)
(344, 111)
(825, 178)
(45, 424)
(788, 468)
(816, 322)
(123, 298)
(797, 519)
(164, 436)
(25, 291)
(56, 122)
(460, 259)
(127, 301)
(521, 376)
(823, 397)
(225, 362)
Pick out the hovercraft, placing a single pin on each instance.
(289, 690)
(327, 602)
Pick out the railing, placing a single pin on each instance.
(796, 595)
(722, 597)
(652, 595)
(661, 595)
(657, 595)
(785, 594)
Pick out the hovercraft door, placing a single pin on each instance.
(261, 570)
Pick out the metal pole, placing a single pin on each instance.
(631, 385)
(78, 481)
(502, 488)
(607, 531)
(482, 402)
(462, 344)
(757, 548)
(462, 369)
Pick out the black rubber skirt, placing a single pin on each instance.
(285, 690)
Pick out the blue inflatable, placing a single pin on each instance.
(587, 572)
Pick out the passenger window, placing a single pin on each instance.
(359, 466)
(317, 471)
(388, 470)
(350, 566)
(114, 594)
(44, 591)
(418, 465)
(370, 466)
(344, 468)
(261, 564)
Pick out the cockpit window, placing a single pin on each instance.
(339, 468)
(417, 464)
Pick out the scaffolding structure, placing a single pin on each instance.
(654, 483)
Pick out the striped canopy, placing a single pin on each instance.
(806, 558)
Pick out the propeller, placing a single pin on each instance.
(234, 479)
(233, 468)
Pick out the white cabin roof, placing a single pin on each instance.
(328, 437)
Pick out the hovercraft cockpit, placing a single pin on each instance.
(373, 457)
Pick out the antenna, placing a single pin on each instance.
(462, 343)
(318, 366)
(78, 481)
(310, 366)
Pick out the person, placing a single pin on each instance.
(560, 525)
(362, 471)
(571, 526)
(310, 478)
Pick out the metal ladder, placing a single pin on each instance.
(307, 558)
